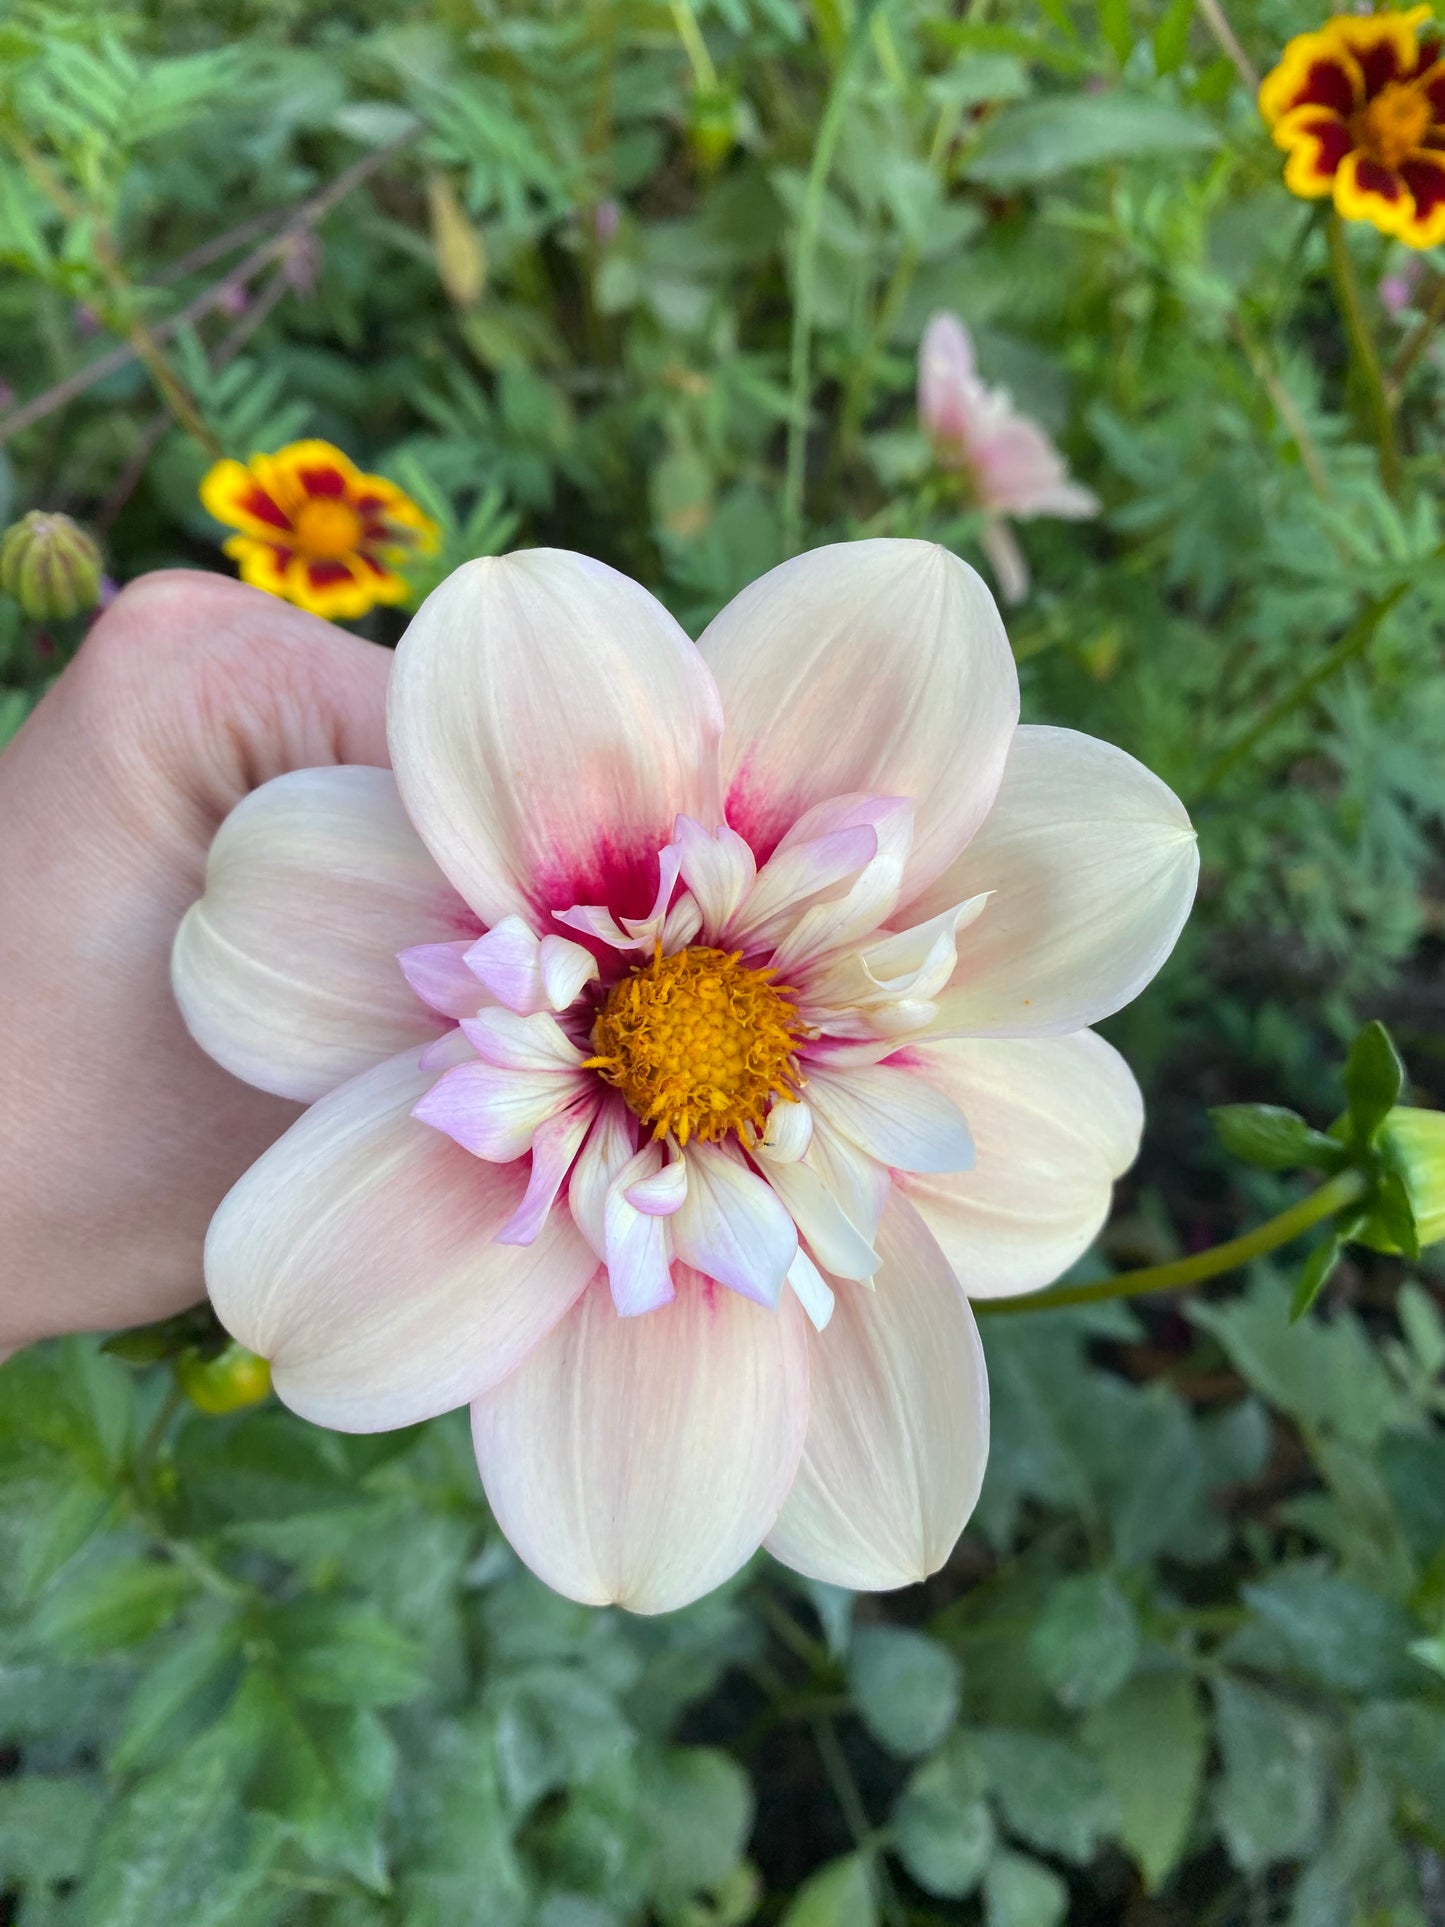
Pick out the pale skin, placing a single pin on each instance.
(118, 1136)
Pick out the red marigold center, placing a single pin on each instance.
(326, 527)
(1392, 125)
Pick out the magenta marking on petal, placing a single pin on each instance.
(758, 817)
(620, 875)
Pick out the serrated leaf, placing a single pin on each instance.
(190, 1679)
(1051, 1793)
(906, 1687)
(1086, 1639)
(943, 1830)
(697, 1805)
(1273, 1138)
(1374, 1079)
(1271, 1802)
(1149, 1740)
(343, 1652)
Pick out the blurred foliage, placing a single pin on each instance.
(543, 262)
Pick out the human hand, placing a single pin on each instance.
(118, 1135)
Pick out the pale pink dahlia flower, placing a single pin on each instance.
(1009, 465)
(738, 1036)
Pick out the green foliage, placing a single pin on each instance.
(1190, 1660)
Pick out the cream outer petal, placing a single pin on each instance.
(898, 1433)
(640, 1461)
(878, 666)
(548, 721)
(357, 1255)
(1092, 865)
(1055, 1121)
(286, 968)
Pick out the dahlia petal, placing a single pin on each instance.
(513, 1043)
(788, 1131)
(947, 371)
(528, 973)
(661, 1191)
(860, 1183)
(875, 665)
(438, 973)
(639, 1249)
(639, 1461)
(495, 1114)
(611, 1142)
(835, 1241)
(870, 899)
(732, 1227)
(548, 722)
(813, 1292)
(893, 1115)
(1055, 1121)
(286, 968)
(357, 1255)
(795, 875)
(718, 868)
(887, 988)
(898, 1433)
(555, 1145)
(1092, 864)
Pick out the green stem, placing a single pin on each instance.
(1362, 351)
(1354, 642)
(704, 74)
(809, 219)
(1346, 1188)
(143, 1465)
(855, 1814)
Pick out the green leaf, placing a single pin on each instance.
(1086, 1640)
(343, 1652)
(1018, 1892)
(1314, 1275)
(1040, 139)
(943, 1829)
(1273, 1138)
(906, 1687)
(47, 1827)
(462, 1868)
(1374, 1079)
(1171, 36)
(698, 1805)
(1338, 1633)
(838, 1895)
(1149, 1740)
(108, 1603)
(1271, 1803)
(191, 1679)
(1052, 1795)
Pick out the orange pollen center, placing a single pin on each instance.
(698, 1044)
(327, 527)
(1392, 125)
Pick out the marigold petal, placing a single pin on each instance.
(1366, 191)
(289, 473)
(231, 492)
(336, 589)
(1317, 140)
(1385, 46)
(1424, 175)
(1315, 70)
(263, 565)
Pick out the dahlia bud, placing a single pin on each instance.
(229, 1382)
(1412, 1149)
(51, 567)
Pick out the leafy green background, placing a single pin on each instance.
(1188, 1663)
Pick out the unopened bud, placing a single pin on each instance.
(51, 567)
(1412, 1147)
(229, 1382)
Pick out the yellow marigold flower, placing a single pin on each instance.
(317, 531)
(1359, 107)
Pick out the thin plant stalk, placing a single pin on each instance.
(1335, 1195)
(1363, 352)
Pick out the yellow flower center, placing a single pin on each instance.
(327, 527)
(698, 1044)
(1394, 123)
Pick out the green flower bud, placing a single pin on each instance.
(51, 567)
(229, 1382)
(1412, 1148)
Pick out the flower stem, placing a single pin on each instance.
(804, 268)
(704, 74)
(1352, 643)
(1346, 1188)
(1362, 350)
(1416, 342)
